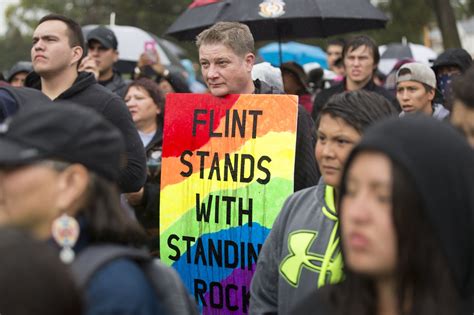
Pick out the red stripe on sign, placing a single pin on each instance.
(180, 115)
(198, 3)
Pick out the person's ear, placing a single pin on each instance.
(76, 53)
(431, 94)
(249, 61)
(72, 187)
(116, 56)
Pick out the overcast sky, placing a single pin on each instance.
(3, 6)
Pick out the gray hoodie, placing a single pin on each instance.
(439, 112)
(301, 253)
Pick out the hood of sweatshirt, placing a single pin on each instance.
(83, 81)
(441, 164)
(453, 57)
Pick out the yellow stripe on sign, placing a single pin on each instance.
(179, 198)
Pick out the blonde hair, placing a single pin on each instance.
(236, 36)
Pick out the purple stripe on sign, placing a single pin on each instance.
(230, 296)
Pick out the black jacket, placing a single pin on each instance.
(87, 92)
(13, 99)
(453, 57)
(322, 98)
(306, 170)
(148, 211)
(117, 84)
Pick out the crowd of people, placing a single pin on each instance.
(380, 221)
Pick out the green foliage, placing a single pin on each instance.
(151, 15)
(407, 19)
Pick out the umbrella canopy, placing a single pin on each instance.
(276, 19)
(390, 54)
(173, 48)
(293, 51)
(131, 44)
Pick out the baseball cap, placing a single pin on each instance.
(104, 36)
(63, 131)
(415, 71)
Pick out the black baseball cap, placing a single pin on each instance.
(105, 36)
(62, 131)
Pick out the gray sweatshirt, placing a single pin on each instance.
(301, 253)
(439, 112)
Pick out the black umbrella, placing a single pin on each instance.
(277, 19)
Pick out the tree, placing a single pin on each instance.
(447, 23)
(407, 18)
(151, 15)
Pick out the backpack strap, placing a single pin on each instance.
(94, 257)
(168, 286)
(170, 289)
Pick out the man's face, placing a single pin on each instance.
(333, 52)
(462, 117)
(51, 52)
(28, 196)
(336, 138)
(18, 79)
(448, 70)
(105, 58)
(413, 97)
(359, 64)
(224, 71)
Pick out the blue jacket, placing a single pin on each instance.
(121, 288)
(118, 288)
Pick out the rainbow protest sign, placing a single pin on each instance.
(227, 168)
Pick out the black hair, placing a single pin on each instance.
(107, 221)
(462, 88)
(176, 80)
(423, 284)
(299, 75)
(32, 278)
(315, 78)
(339, 62)
(362, 40)
(336, 42)
(155, 93)
(75, 36)
(358, 109)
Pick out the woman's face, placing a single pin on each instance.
(368, 233)
(28, 197)
(291, 83)
(166, 87)
(141, 106)
(335, 141)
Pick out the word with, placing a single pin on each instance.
(204, 213)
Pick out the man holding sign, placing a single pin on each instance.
(226, 57)
(228, 165)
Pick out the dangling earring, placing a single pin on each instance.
(65, 232)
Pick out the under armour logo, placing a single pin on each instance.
(4, 127)
(300, 257)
